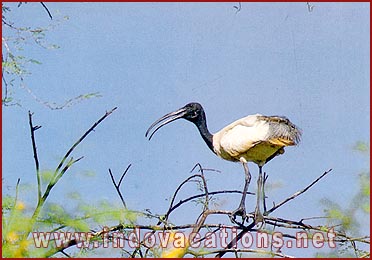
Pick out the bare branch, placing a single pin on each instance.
(83, 137)
(235, 240)
(67, 166)
(296, 194)
(177, 190)
(206, 204)
(117, 186)
(238, 7)
(34, 149)
(59, 173)
(310, 7)
(46, 9)
(124, 173)
(203, 195)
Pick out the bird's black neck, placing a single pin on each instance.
(201, 124)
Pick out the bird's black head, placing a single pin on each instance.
(192, 112)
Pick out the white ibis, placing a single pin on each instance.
(254, 138)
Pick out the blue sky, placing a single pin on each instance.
(151, 58)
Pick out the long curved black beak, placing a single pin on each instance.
(165, 120)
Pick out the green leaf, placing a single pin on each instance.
(46, 176)
(35, 61)
(74, 195)
(361, 147)
(78, 225)
(8, 202)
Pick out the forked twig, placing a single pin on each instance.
(117, 186)
(59, 172)
(201, 170)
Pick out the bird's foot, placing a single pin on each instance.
(240, 211)
(258, 217)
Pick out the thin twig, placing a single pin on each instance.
(171, 208)
(309, 7)
(69, 164)
(59, 173)
(177, 190)
(296, 194)
(125, 173)
(83, 137)
(235, 240)
(263, 190)
(34, 149)
(13, 209)
(206, 203)
(204, 169)
(203, 194)
(46, 8)
(286, 223)
(238, 8)
(117, 186)
(65, 254)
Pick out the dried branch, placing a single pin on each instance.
(34, 149)
(201, 220)
(176, 192)
(235, 240)
(83, 137)
(238, 7)
(201, 170)
(309, 7)
(206, 203)
(59, 172)
(117, 186)
(203, 195)
(46, 9)
(296, 194)
(293, 224)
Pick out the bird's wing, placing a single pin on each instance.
(255, 131)
(243, 134)
(281, 141)
(281, 130)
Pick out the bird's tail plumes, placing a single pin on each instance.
(281, 127)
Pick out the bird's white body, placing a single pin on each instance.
(255, 138)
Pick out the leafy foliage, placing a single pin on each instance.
(346, 219)
(16, 66)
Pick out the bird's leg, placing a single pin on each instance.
(258, 217)
(247, 179)
(241, 209)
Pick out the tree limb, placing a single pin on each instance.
(296, 193)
